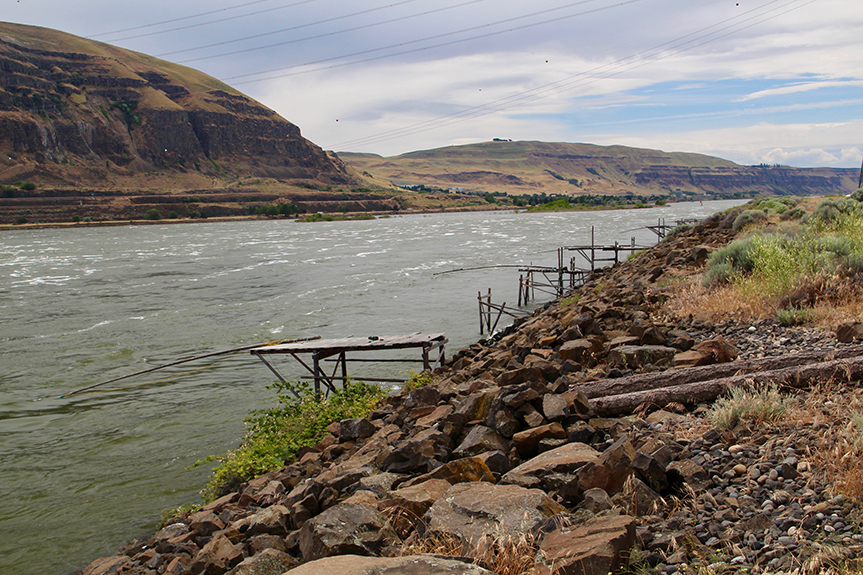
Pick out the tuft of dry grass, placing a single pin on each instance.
(762, 404)
(836, 412)
(502, 554)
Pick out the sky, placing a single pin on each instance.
(752, 81)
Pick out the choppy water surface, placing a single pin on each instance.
(81, 475)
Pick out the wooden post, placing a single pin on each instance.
(479, 299)
(488, 312)
(860, 181)
(592, 248)
(520, 283)
(344, 369)
(317, 373)
(499, 313)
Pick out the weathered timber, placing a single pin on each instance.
(841, 370)
(674, 377)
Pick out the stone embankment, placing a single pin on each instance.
(514, 442)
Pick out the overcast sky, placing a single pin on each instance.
(772, 81)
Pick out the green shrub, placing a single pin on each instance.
(27, 186)
(746, 218)
(172, 215)
(276, 435)
(792, 214)
(794, 316)
(152, 214)
(21, 220)
(76, 218)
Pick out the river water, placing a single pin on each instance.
(81, 475)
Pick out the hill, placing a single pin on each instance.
(79, 113)
(521, 168)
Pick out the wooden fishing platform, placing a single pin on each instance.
(322, 349)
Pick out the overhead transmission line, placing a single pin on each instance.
(324, 35)
(674, 47)
(434, 37)
(191, 17)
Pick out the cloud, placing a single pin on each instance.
(804, 87)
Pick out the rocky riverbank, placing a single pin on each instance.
(576, 442)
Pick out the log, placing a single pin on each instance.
(674, 377)
(838, 370)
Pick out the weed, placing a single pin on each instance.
(568, 301)
(418, 380)
(276, 435)
(794, 316)
(760, 405)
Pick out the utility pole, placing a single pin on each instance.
(860, 181)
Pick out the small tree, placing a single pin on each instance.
(152, 214)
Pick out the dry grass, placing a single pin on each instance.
(836, 412)
(502, 554)
(758, 405)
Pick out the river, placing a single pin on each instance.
(80, 475)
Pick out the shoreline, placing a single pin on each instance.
(520, 422)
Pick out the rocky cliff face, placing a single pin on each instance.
(75, 109)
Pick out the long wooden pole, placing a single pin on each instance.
(179, 361)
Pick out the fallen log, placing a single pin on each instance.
(839, 370)
(681, 376)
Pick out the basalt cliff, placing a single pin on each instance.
(78, 113)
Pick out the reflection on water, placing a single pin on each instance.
(81, 475)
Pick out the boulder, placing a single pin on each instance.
(575, 350)
(408, 565)
(479, 440)
(267, 562)
(526, 441)
(850, 331)
(107, 565)
(636, 498)
(407, 505)
(217, 556)
(468, 511)
(549, 469)
(597, 547)
(635, 356)
(353, 429)
(345, 529)
(555, 407)
(458, 471)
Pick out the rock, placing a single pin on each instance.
(597, 547)
(476, 406)
(353, 429)
(520, 375)
(418, 452)
(720, 349)
(633, 357)
(618, 460)
(458, 471)
(408, 565)
(267, 562)
(469, 511)
(596, 500)
(345, 529)
(407, 505)
(205, 523)
(526, 441)
(554, 407)
(850, 331)
(548, 470)
(496, 461)
(107, 565)
(219, 555)
(272, 520)
(481, 439)
(575, 350)
(636, 498)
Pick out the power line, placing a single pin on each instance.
(328, 34)
(436, 37)
(180, 19)
(200, 24)
(675, 47)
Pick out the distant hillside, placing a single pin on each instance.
(520, 168)
(75, 112)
